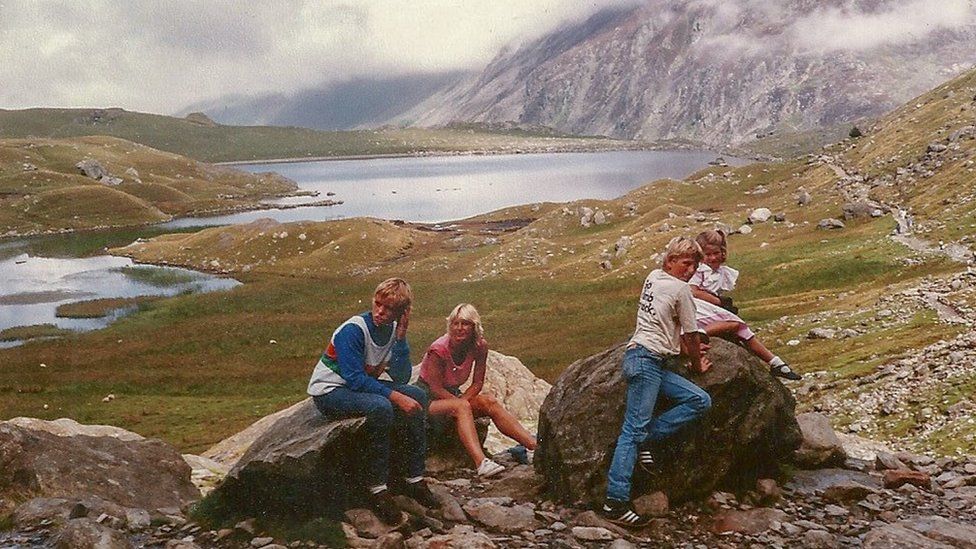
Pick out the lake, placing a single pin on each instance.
(32, 288)
(38, 275)
(437, 189)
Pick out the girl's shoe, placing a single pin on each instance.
(489, 468)
(784, 371)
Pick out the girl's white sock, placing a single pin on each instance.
(776, 361)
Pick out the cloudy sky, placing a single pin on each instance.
(160, 56)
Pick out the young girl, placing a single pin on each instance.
(715, 313)
(448, 364)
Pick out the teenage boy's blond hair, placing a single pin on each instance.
(467, 312)
(396, 290)
(682, 246)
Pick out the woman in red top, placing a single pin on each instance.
(447, 365)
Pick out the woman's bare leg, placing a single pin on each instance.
(758, 349)
(485, 405)
(461, 411)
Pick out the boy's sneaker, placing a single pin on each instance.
(646, 456)
(420, 493)
(385, 509)
(622, 513)
(489, 468)
(784, 371)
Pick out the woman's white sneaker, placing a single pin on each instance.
(489, 468)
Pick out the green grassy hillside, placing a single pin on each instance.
(203, 140)
(43, 190)
(552, 290)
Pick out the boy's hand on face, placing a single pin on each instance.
(405, 403)
(402, 323)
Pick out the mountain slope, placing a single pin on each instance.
(198, 137)
(358, 103)
(713, 72)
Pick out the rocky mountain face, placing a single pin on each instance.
(361, 102)
(716, 72)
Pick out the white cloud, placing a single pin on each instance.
(898, 23)
(161, 56)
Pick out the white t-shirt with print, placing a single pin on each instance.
(666, 309)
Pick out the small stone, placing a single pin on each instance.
(895, 478)
(836, 511)
(591, 533)
(769, 492)
(654, 504)
(745, 229)
(819, 539)
(261, 542)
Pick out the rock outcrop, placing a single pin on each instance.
(141, 473)
(749, 430)
(303, 463)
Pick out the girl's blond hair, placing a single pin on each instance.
(712, 238)
(682, 246)
(467, 312)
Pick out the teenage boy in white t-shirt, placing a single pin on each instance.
(665, 326)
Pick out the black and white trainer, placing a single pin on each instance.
(623, 513)
(784, 371)
(646, 456)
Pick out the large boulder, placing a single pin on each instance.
(506, 379)
(749, 430)
(131, 472)
(303, 464)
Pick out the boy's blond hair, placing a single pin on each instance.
(467, 312)
(712, 238)
(396, 290)
(682, 246)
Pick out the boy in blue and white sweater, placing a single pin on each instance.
(346, 383)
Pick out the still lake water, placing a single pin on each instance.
(425, 189)
(436, 189)
(31, 288)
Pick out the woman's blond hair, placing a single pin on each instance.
(682, 246)
(396, 290)
(467, 312)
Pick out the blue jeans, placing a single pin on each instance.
(386, 426)
(645, 380)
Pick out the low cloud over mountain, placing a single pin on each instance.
(718, 71)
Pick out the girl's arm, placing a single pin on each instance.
(480, 367)
(434, 379)
(705, 295)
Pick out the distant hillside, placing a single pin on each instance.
(197, 137)
(358, 103)
(716, 72)
(42, 188)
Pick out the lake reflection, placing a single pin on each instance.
(435, 189)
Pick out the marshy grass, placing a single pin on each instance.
(160, 277)
(99, 308)
(33, 331)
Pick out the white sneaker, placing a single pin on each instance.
(489, 468)
(529, 456)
